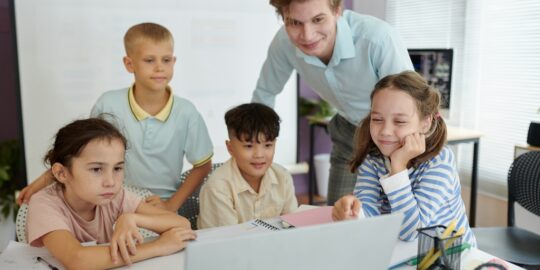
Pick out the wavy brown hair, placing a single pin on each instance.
(427, 101)
(71, 139)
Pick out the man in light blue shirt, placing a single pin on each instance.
(341, 55)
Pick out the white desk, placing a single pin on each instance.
(469, 259)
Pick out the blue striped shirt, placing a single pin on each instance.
(428, 195)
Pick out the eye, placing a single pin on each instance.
(318, 20)
(248, 146)
(118, 168)
(96, 170)
(401, 122)
(376, 120)
(148, 60)
(167, 60)
(269, 145)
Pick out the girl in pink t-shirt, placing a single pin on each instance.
(87, 160)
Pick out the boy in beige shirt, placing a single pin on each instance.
(248, 186)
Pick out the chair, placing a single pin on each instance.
(511, 243)
(20, 222)
(190, 208)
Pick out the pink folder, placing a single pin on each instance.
(314, 216)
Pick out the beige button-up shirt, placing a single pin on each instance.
(227, 199)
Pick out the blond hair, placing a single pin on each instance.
(427, 100)
(150, 31)
(283, 5)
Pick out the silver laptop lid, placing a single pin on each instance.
(357, 244)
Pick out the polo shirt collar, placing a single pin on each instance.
(140, 114)
(343, 47)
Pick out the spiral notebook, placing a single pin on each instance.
(251, 227)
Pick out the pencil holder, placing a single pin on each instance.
(436, 251)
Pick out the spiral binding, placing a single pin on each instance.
(265, 224)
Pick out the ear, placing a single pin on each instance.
(60, 172)
(426, 124)
(229, 146)
(128, 63)
(174, 60)
(339, 11)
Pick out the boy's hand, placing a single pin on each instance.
(126, 235)
(156, 201)
(412, 146)
(174, 240)
(348, 207)
(41, 182)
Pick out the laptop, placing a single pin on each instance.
(355, 244)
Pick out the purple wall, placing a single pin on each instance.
(322, 140)
(8, 92)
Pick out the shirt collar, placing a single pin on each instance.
(343, 48)
(140, 114)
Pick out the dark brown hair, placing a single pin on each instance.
(72, 138)
(150, 31)
(283, 5)
(247, 121)
(427, 101)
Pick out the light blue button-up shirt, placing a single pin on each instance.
(366, 50)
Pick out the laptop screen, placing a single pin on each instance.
(357, 244)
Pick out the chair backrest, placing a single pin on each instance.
(190, 208)
(524, 184)
(20, 222)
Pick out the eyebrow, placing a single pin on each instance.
(289, 18)
(395, 114)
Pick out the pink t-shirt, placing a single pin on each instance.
(48, 211)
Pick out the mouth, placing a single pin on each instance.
(159, 79)
(311, 46)
(258, 165)
(107, 195)
(387, 143)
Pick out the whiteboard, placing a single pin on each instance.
(70, 52)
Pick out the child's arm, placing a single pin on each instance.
(126, 233)
(193, 180)
(45, 179)
(434, 187)
(63, 245)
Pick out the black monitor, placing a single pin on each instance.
(435, 65)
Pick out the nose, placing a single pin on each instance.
(159, 66)
(258, 151)
(307, 32)
(387, 128)
(108, 180)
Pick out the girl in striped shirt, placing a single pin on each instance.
(402, 162)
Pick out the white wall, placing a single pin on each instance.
(370, 7)
(70, 52)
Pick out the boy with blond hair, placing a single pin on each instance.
(160, 127)
(249, 185)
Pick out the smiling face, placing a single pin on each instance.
(253, 158)
(152, 64)
(311, 27)
(394, 115)
(95, 176)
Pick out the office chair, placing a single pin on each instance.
(190, 208)
(20, 222)
(511, 243)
